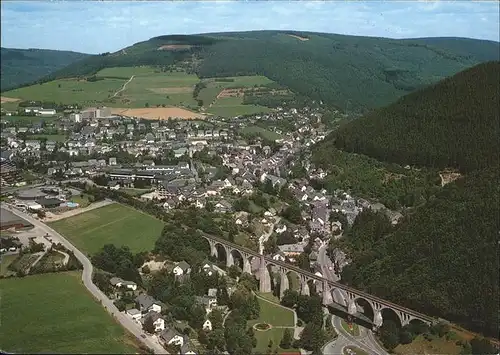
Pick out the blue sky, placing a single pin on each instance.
(96, 27)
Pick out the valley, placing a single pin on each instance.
(260, 191)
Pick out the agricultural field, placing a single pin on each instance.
(69, 91)
(279, 318)
(151, 88)
(145, 87)
(233, 106)
(113, 224)
(221, 99)
(63, 318)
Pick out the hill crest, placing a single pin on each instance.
(360, 73)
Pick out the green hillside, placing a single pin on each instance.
(343, 71)
(24, 66)
(454, 123)
(442, 260)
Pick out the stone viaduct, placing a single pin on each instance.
(377, 304)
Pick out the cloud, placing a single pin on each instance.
(96, 27)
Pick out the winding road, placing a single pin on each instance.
(124, 320)
(366, 339)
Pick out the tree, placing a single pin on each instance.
(216, 319)
(293, 213)
(389, 335)
(290, 298)
(148, 325)
(309, 309)
(234, 271)
(286, 340)
(312, 337)
(146, 104)
(197, 317)
(146, 269)
(481, 346)
(251, 335)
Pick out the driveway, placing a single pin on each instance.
(125, 321)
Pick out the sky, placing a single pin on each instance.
(107, 26)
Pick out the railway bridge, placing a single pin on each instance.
(327, 287)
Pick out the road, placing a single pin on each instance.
(125, 321)
(123, 87)
(366, 339)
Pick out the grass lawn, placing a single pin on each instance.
(54, 313)
(267, 134)
(49, 137)
(135, 192)
(355, 328)
(276, 316)
(113, 224)
(4, 264)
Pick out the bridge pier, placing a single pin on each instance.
(405, 318)
(284, 283)
(327, 293)
(304, 287)
(264, 277)
(352, 308)
(247, 267)
(213, 249)
(229, 258)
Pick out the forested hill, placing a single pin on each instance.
(23, 66)
(455, 123)
(347, 72)
(442, 260)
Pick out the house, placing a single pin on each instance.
(279, 256)
(208, 269)
(113, 185)
(207, 325)
(134, 313)
(147, 303)
(206, 301)
(158, 321)
(182, 268)
(171, 337)
(187, 349)
(291, 249)
(223, 206)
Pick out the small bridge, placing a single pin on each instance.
(377, 304)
